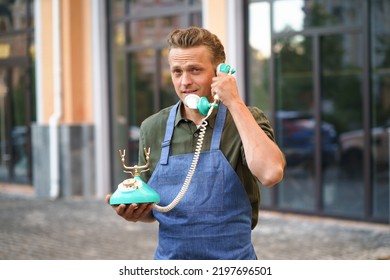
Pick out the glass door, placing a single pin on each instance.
(15, 159)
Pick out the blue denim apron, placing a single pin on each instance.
(213, 220)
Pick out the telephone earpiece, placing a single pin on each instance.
(225, 68)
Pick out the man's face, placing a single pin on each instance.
(191, 71)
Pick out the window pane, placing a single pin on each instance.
(14, 155)
(119, 110)
(259, 58)
(144, 7)
(117, 8)
(196, 19)
(19, 130)
(148, 32)
(4, 150)
(168, 95)
(259, 54)
(295, 124)
(288, 15)
(14, 15)
(342, 115)
(380, 107)
(139, 7)
(13, 46)
(296, 15)
(142, 80)
(152, 31)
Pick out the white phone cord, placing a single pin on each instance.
(192, 169)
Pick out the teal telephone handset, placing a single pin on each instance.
(134, 190)
(193, 101)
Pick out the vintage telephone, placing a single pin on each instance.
(134, 190)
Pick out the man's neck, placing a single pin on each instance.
(191, 114)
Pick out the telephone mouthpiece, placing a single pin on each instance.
(191, 101)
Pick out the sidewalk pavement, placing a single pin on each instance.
(78, 229)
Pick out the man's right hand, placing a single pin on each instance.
(134, 212)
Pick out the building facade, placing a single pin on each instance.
(77, 77)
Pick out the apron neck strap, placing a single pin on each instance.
(165, 146)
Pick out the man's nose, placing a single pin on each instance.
(186, 79)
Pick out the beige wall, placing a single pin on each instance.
(214, 15)
(76, 81)
(47, 59)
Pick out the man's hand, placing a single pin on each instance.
(133, 212)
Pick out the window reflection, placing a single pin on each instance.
(296, 15)
(342, 105)
(259, 50)
(14, 133)
(288, 15)
(137, 7)
(13, 46)
(16, 94)
(295, 123)
(380, 133)
(260, 30)
(15, 15)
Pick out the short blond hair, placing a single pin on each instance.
(196, 36)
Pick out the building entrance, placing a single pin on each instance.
(15, 119)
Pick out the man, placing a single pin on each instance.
(215, 217)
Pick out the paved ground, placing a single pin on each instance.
(79, 229)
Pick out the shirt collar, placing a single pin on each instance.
(179, 118)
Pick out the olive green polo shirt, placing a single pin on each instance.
(184, 140)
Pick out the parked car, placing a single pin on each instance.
(352, 147)
(298, 141)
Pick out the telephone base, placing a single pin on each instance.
(143, 194)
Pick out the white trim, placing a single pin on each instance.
(57, 108)
(100, 98)
(234, 41)
(205, 17)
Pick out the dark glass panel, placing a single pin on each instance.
(297, 15)
(380, 57)
(119, 106)
(14, 132)
(259, 63)
(12, 46)
(168, 95)
(117, 8)
(15, 15)
(342, 116)
(295, 124)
